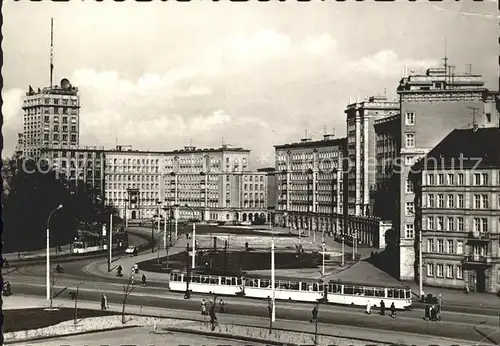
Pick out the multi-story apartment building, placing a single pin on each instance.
(457, 200)
(309, 179)
(361, 149)
(51, 118)
(82, 169)
(388, 145)
(134, 181)
(216, 183)
(431, 106)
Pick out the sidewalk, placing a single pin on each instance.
(343, 332)
(35, 254)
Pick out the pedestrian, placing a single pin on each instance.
(368, 307)
(382, 308)
(203, 307)
(213, 317)
(143, 281)
(314, 314)
(106, 301)
(103, 302)
(222, 306)
(393, 310)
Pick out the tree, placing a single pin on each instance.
(32, 193)
(128, 287)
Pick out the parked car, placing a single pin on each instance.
(132, 249)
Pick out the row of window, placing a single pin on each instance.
(441, 270)
(480, 201)
(448, 179)
(56, 137)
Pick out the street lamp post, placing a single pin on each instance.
(48, 250)
(323, 267)
(193, 259)
(110, 258)
(126, 218)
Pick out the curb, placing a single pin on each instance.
(65, 335)
(189, 331)
(226, 336)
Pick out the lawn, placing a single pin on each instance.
(26, 319)
(236, 261)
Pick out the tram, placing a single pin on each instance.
(88, 242)
(335, 292)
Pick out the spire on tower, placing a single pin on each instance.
(51, 51)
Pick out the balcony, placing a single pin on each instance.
(476, 261)
(478, 237)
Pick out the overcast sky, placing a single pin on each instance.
(155, 75)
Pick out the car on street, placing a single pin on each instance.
(132, 249)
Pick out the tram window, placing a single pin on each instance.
(369, 292)
(284, 285)
(223, 281)
(247, 282)
(348, 290)
(390, 293)
(264, 283)
(173, 277)
(379, 292)
(358, 290)
(320, 288)
(408, 294)
(335, 288)
(195, 278)
(277, 284)
(214, 279)
(315, 287)
(396, 293)
(294, 286)
(303, 286)
(240, 280)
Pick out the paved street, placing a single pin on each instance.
(367, 328)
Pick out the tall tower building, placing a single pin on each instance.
(51, 115)
(361, 142)
(51, 119)
(432, 105)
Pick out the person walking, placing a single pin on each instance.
(106, 302)
(203, 307)
(103, 302)
(222, 307)
(393, 310)
(143, 281)
(314, 314)
(382, 308)
(213, 317)
(368, 307)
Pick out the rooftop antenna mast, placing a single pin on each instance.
(469, 68)
(51, 51)
(452, 75)
(445, 59)
(474, 124)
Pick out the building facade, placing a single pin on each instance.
(457, 189)
(361, 149)
(51, 119)
(309, 179)
(81, 169)
(431, 106)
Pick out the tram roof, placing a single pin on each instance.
(292, 279)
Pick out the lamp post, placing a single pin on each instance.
(48, 250)
(126, 219)
(110, 259)
(273, 289)
(323, 267)
(193, 259)
(175, 202)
